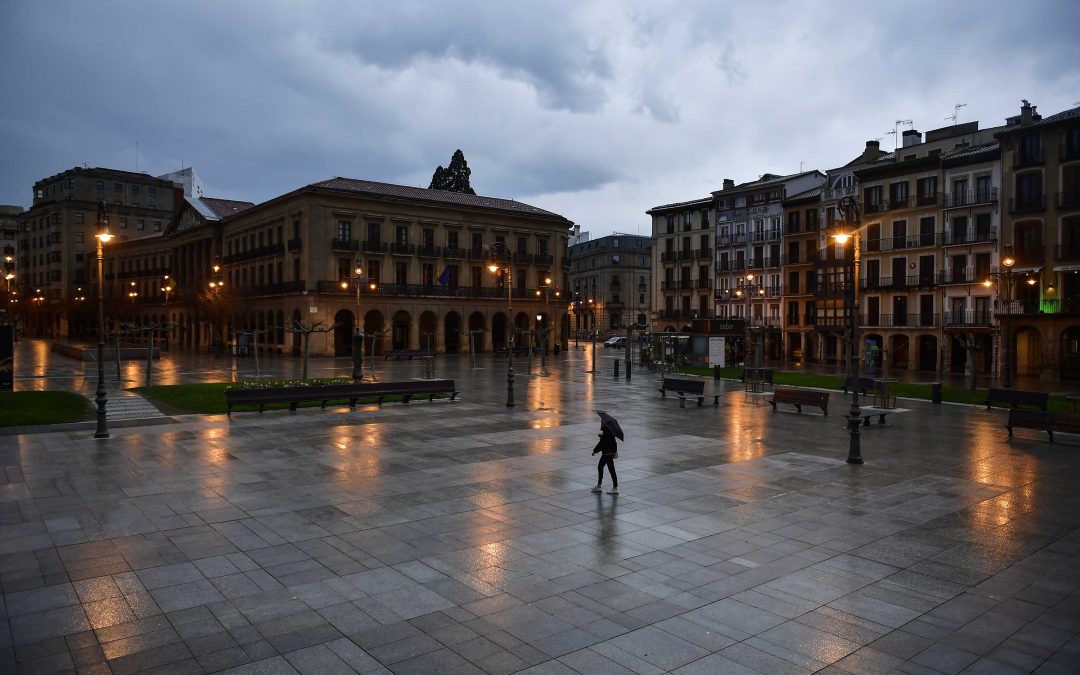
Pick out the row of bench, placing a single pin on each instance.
(351, 392)
(1049, 422)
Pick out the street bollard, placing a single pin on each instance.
(716, 372)
(935, 392)
(616, 367)
(628, 370)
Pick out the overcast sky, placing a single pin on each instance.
(595, 110)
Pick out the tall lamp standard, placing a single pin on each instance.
(358, 280)
(546, 290)
(850, 210)
(499, 253)
(103, 236)
(1007, 262)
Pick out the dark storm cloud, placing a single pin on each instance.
(595, 109)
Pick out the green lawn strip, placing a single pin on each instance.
(19, 408)
(209, 399)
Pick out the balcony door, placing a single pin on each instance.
(873, 311)
(926, 270)
(899, 272)
(926, 310)
(899, 310)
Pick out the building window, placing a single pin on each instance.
(100, 185)
(542, 246)
(151, 191)
(927, 188)
(452, 240)
(898, 193)
(401, 234)
(374, 233)
(522, 245)
(78, 218)
(157, 226)
(118, 187)
(134, 189)
(140, 224)
(344, 230)
(401, 273)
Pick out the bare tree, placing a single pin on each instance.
(305, 330)
(971, 348)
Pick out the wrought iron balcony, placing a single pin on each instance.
(975, 318)
(295, 244)
(977, 197)
(928, 320)
(374, 246)
(1027, 204)
(969, 235)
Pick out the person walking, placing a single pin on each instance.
(608, 448)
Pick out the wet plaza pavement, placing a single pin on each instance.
(462, 537)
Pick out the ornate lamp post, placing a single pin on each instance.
(498, 252)
(216, 285)
(358, 280)
(546, 290)
(850, 210)
(167, 288)
(103, 236)
(1007, 262)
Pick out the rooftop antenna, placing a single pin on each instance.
(800, 165)
(896, 132)
(136, 157)
(956, 112)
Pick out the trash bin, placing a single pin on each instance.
(558, 347)
(716, 372)
(935, 392)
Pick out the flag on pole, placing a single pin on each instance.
(444, 278)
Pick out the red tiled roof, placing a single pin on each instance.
(226, 207)
(422, 194)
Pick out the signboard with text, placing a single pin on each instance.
(716, 352)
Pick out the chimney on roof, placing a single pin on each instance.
(872, 151)
(1026, 111)
(912, 137)
(729, 184)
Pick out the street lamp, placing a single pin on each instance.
(103, 236)
(216, 286)
(546, 290)
(167, 289)
(850, 210)
(358, 280)
(498, 252)
(1007, 262)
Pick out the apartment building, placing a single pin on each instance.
(799, 275)
(9, 254)
(903, 228)
(56, 244)
(609, 281)
(683, 245)
(749, 244)
(1040, 159)
(423, 257)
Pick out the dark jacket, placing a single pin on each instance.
(607, 444)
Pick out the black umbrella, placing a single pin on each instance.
(611, 423)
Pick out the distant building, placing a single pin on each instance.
(423, 256)
(57, 251)
(9, 252)
(609, 282)
(682, 262)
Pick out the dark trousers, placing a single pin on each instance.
(609, 461)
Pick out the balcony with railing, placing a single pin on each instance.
(1026, 257)
(1025, 157)
(765, 262)
(965, 198)
(401, 248)
(282, 288)
(973, 318)
(969, 235)
(764, 322)
(1070, 199)
(876, 207)
(427, 251)
(703, 254)
(295, 244)
(768, 234)
(374, 246)
(683, 314)
(1069, 252)
(840, 193)
(455, 253)
(736, 265)
(261, 252)
(344, 245)
(1027, 204)
(1043, 307)
(910, 281)
(671, 256)
(931, 199)
(928, 320)
(543, 259)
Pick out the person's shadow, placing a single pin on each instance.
(605, 533)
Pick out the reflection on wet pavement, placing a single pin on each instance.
(464, 534)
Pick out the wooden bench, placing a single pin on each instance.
(1018, 397)
(1065, 423)
(398, 354)
(518, 351)
(263, 396)
(684, 387)
(801, 397)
